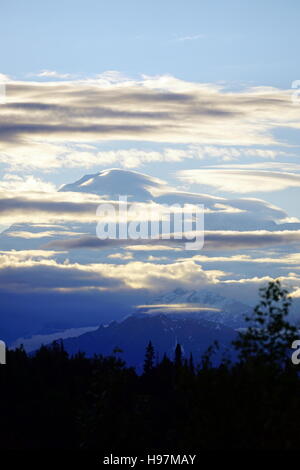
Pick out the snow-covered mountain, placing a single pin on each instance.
(230, 214)
(201, 304)
(114, 182)
(221, 213)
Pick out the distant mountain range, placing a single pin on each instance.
(134, 333)
(195, 319)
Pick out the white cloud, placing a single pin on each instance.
(290, 259)
(175, 308)
(42, 234)
(192, 37)
(152, 248)
(157, 258)
(266, 165)
(45, 155)
(4, 78)
(22, 200)
(241, 181)
(39, 118)
(30, 273)
(51, 74)
(228, 153)
(123, 256)
(19, 256)
(17, 183)
(296, 293)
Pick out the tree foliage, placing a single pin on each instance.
(269, 335)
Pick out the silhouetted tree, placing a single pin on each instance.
(269, 335)
(191, 364)
(149, 358)
(206, 360)
(178, 356)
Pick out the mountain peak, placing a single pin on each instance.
(116, 181)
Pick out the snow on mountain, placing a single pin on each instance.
(205, 305)
(114, 182)
(221, 214)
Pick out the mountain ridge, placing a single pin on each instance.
(133, 333)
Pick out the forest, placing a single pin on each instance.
(49, 400)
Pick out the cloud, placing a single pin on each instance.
(290, 259)
(157, 258)
(35, 341)
(235, 240)
(22, 201)
(247, 289)
(38, 207)
(30, 274)
(22, 255)
(48, 114)
(241, 181)
(151, 248)
(266, 165)
(192, 37)
(42, 207)
(41, 234)
(51, 74)
(213, 240)
(296, 293)
(4, 78)
(17, 183)
(174, 308)
(45, 155)
(92, 242)
(291, 281)
(123, 256)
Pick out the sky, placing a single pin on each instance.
(244, 42)
(202, 95)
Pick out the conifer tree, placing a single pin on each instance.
(149, 358)
(178, 356)
(191, 364)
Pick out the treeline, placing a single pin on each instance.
(52, 401)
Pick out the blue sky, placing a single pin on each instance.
(237, 45)
(198, 94)
(239, 42)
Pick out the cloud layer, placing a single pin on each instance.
(40, 120)
(241, 180)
